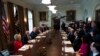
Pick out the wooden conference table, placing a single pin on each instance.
(49, 43)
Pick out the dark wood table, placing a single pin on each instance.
(49, 46)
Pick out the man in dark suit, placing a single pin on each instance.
(26, 37)
(33, 33)
(1, 54)
(63, 26)
(95, 46)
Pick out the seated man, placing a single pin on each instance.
(26, 37)
(1, 54)
(33, 33)
(95, 46)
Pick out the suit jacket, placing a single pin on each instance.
(33, 34)
(77, 43)
(25, 39)
(91, 54)
(71, 37)
(17, 45)
(1, 54)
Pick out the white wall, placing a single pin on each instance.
(61, 10)
(83, 10)
(90, 6)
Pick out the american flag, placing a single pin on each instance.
(4, 20)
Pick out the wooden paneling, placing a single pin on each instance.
(21, 19)
(1, 44)
(26, 15)
(20, 27)
(11, 19)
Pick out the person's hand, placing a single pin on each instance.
(91, 33)
(77, 54)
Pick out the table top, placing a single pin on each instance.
(51, 45)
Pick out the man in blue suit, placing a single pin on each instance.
(95, 45)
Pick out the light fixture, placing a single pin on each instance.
(46, 1)
(51, 7)
(25, 20)
(89, 19)
(7, 20)
(54, 11)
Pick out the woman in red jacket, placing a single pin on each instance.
(84, 49)
(17, 43)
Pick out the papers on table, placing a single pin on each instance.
(68, 49)
(63, 32)
(43, 36)
(64, 38)
(44, 33)
(32, 41)
(66, 42)
(25, 47)
(38, 37)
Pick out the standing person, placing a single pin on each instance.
(63, 26)
(56, 24)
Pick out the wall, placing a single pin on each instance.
(83, 10)
(90, 7)
(61, 11)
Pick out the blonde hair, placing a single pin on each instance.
(17, 37)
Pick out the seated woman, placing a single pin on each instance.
(84, 49)
(17, 43)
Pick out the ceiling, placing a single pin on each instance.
(54, 2)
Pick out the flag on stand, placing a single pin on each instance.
(4, 20)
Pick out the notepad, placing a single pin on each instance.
(68, 49)
(66, 42)
(38, 37)
(64, 38)
(25, 47)
(32, 41)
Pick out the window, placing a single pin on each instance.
(30, 21)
